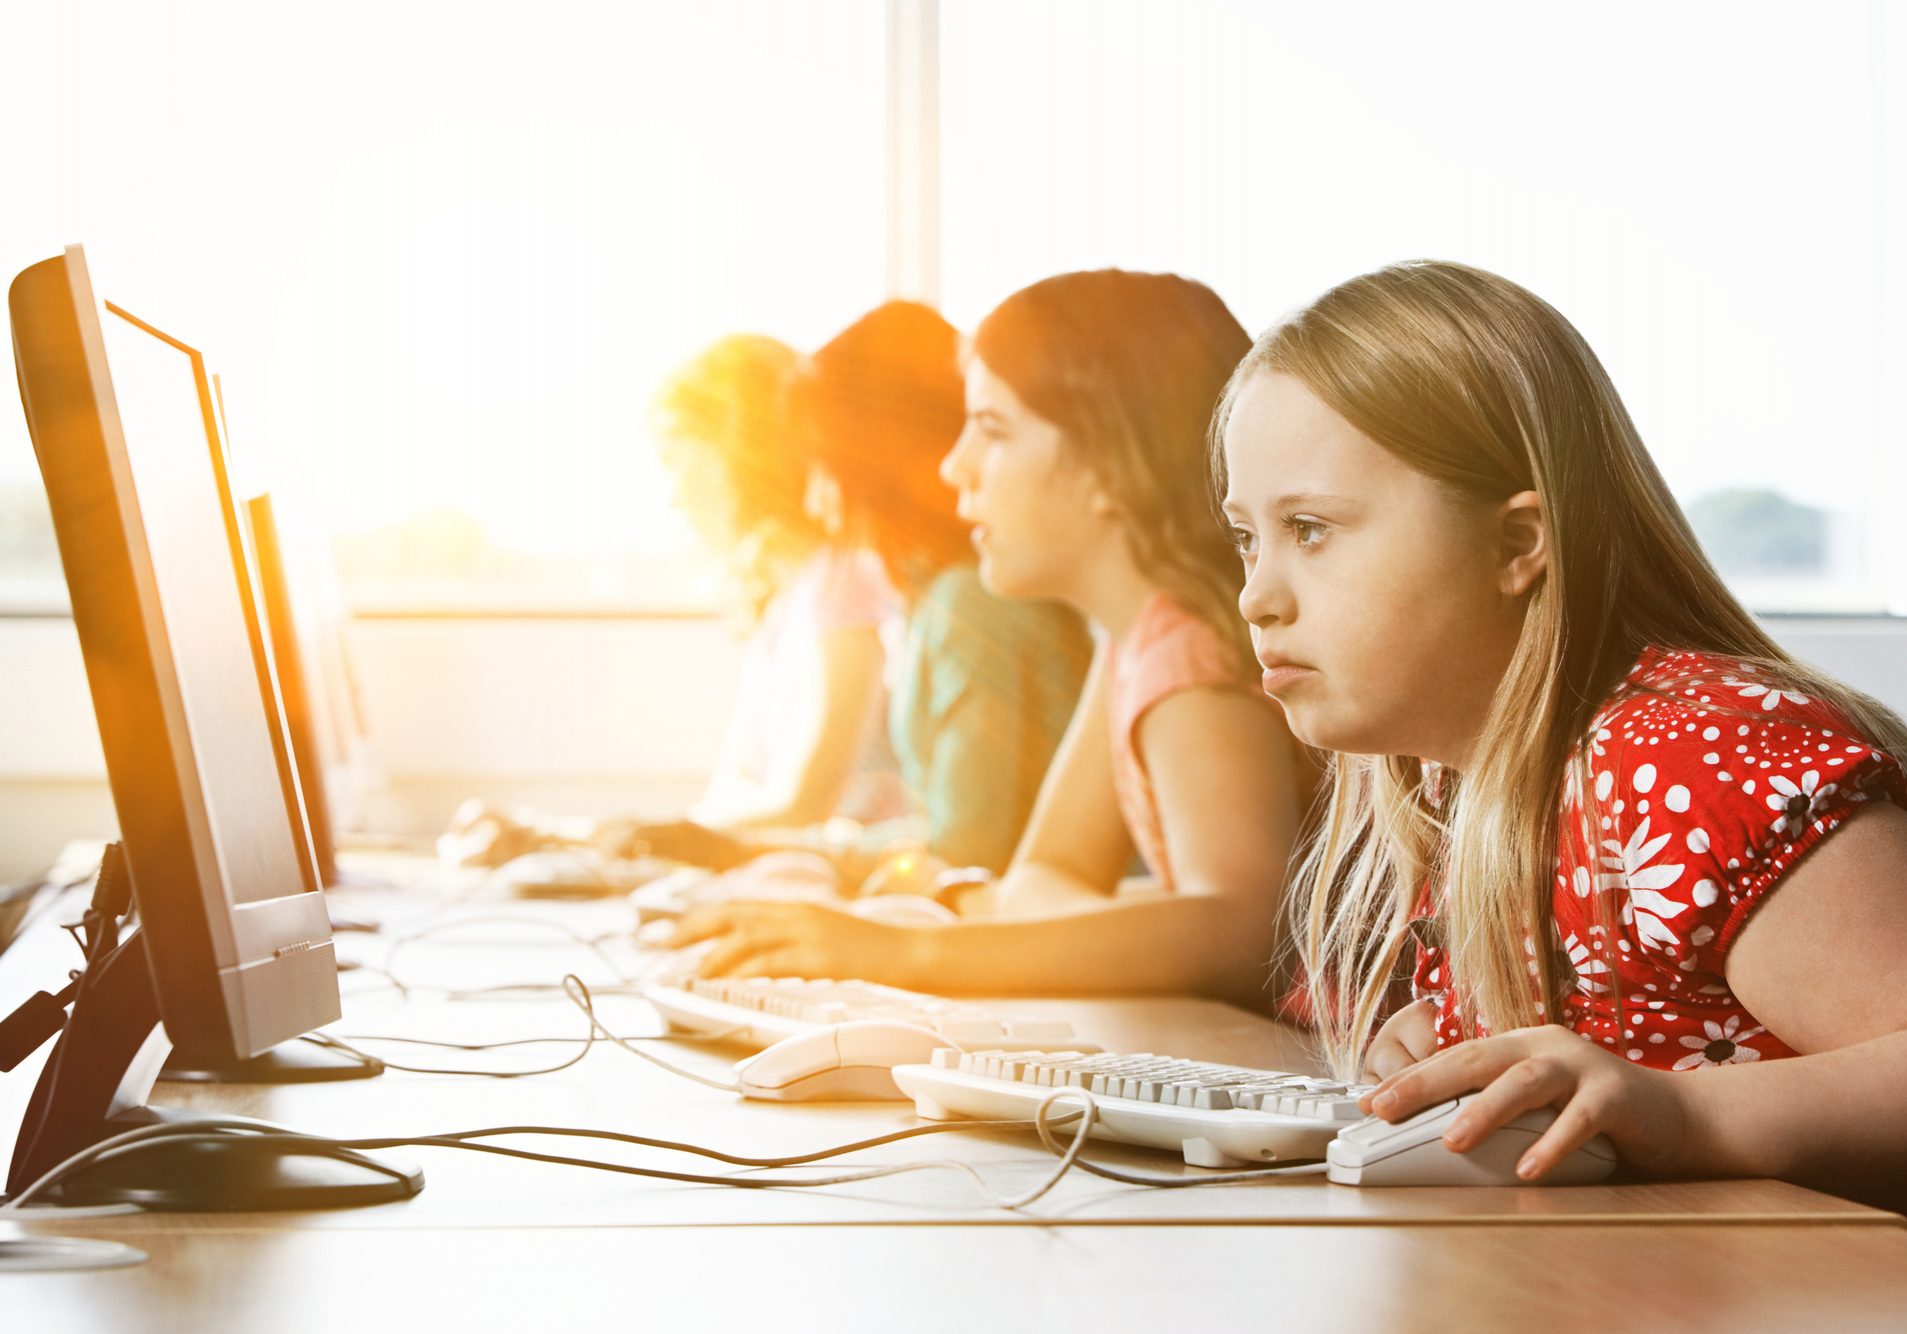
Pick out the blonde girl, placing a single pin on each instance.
(1571, 771)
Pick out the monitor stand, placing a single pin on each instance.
(300, 1061)
(95, 1084)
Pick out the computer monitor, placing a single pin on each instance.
(288, 660)
(233, 951)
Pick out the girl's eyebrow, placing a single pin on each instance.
(1303, 499)
(1289, 500)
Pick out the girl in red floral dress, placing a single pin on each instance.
(1571, 771)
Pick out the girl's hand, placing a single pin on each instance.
(1648, 1114)
(1407, 1037)
(795, 940)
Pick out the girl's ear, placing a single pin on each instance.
(1523, 542)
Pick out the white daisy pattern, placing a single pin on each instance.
(1767, 696)
(1796, 801)
(1702, 782)
(1718, 1044)
(1592, 974)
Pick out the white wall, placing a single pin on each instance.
(587, 716)
(583, 716)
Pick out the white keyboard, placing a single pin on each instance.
(1215, 1115)
(760, 1011)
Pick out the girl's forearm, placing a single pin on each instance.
(1832, 1119)
(1192, 944)
(1034, 889)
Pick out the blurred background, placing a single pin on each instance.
(442, 255)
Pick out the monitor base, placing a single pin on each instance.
(299, 1061)
(228, 1170)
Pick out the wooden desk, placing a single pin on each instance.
(613, 1090)
(922, 1280)
(493, 1243)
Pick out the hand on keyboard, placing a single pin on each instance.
(762, 1010)
(682, 841)
(795, 940)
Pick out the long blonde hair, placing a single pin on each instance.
(1486, 388)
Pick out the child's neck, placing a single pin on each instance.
(1112, 591)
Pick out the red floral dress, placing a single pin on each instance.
(1709, 786)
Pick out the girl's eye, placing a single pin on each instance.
(1305, 533)
(1243, 540)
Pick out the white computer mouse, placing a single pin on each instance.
(839, 1063)
(1411, 1153)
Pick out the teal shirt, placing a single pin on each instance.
(985, 690)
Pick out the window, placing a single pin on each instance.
(441, 256)
(442, 271)
(1713, 192)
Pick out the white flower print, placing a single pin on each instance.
(1626, 865)
(1770, 697)
(1719, 1044)
(1796, 804)
(1590, 973)
(1645, 911)
(1627, 868)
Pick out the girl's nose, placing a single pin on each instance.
(953, 468)
(1266, 597)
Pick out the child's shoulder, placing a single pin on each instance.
(1710, 779)
(1170, 646)
(1695, 716)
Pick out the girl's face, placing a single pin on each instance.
(1383, 605)
(1039, 517)
(703, 493)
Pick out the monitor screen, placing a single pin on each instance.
(209, 620)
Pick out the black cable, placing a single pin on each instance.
(187, 1134)
(723, 1036)
(739, 1160)
(593, 944)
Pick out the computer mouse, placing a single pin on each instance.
(668, 896)
(839, 1063)
(902, 910)
(1411, 1153)
(562, 874)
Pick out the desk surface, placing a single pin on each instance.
(517, 1240)
(785, 1280)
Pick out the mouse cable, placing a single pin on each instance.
(1070, 1155)
(723, 1036)
(579, 995)
(134, 1141)
(593, 945)
(502, 991)
(343, 1042)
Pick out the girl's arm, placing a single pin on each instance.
(1818, 963)
(809, 781)
(1149, 945)
(1076, 846)
(1230, 791)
